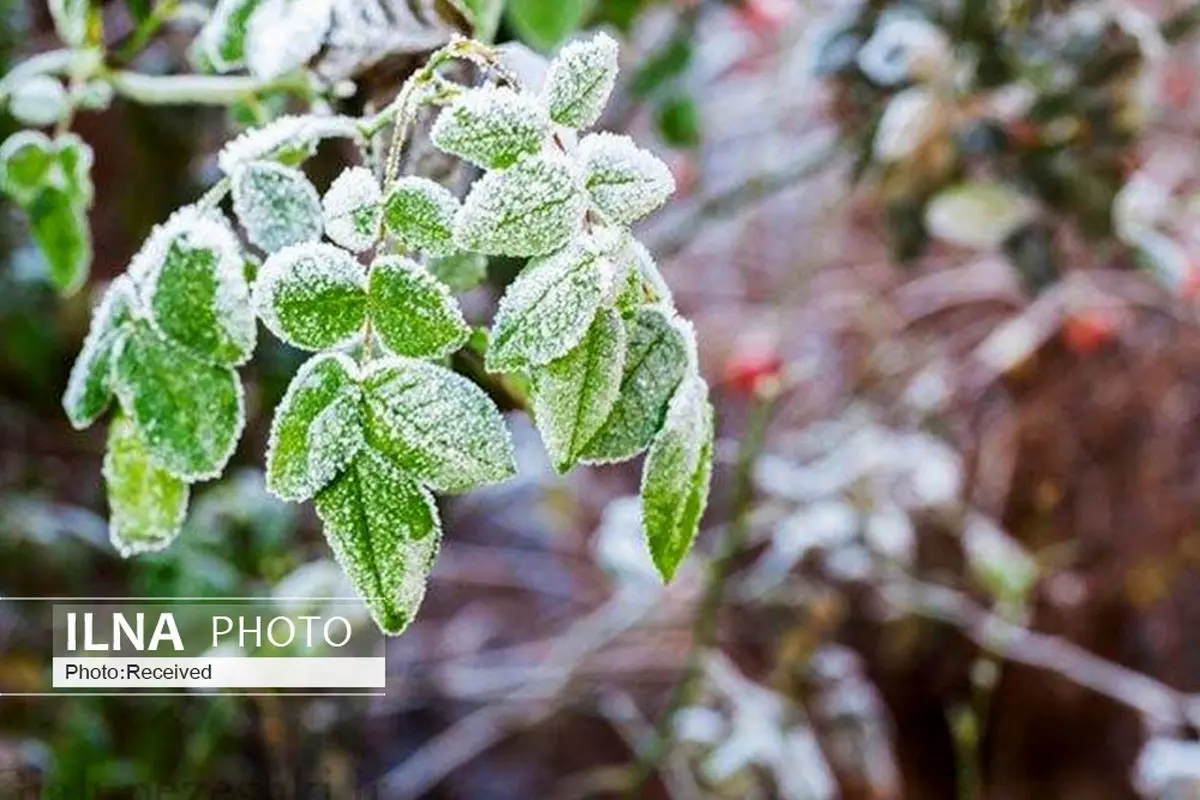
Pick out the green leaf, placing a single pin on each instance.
(675, 479)
(420, 214)
(542, 24)
(60, 228)
(624, 181)
(70, 20)
(678, 121)
(484, 16)
(460, 271)
(147, 504)
(385, 532)
(491, 126)
(580, 79)
(412, 311)
(642, 283)
(436, 425)
(189, 413)
(317, 429)
(312, 296)
(276, 205)
(90, 385)
(656, 360)
(25, 161)
(72, 169)
(223, 37)
(531, 208)
(353, 210)
(573, 395)
(546, 310)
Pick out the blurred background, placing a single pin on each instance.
(944, 261)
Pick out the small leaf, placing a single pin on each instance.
(624, 181)
(546, 310)
(39, 101)
(352, 209)
(223, 37)
(436, 425)
(573, 395)
(189, 413)
(70, 20)
(147, 504)
(579, 81)
(491, 126)
(678, 122)
(312, 296)
(412, 311)
(420, 214)
(284, 34)
(385, 532)
(289, 139)
(676, 476)
(72, 169)
(544, 24)
(656, 360)
(531, 208)
(90, 385)
(60, 228)
(276, 205)
(979, 214)
(460, 271)
(317, 429)
(26, 158)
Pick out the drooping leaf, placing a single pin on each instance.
(282, 35)
(38, 101)
(436, 425)
(546, 310)
(460, 271)
(544, 24)
(276, 205)
(420, 214)
(353, 209)
(385, 532)
(223, 37)
(580, 80)
(656, 360)
(675, 479)
(147, 504)
(25, 161)
(531, 208)
(624, 181)
(60, 228)
(411, 311)
(574, 394)
(491, 126)
(317, 429)
(90, 385)
(313, 296)
(189, 413)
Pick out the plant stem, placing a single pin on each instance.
(214, 90)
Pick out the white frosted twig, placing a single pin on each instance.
(216, 90)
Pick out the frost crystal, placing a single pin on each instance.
(580, 80)
(436, 425)
(284, 34)
(420, 214)
(412, 311)
(625, 182)
(90, 385)
(288, 138)
(531, 208)
(352, 209)
(147, 503)
(491, 126)
(312, 296)
(276, 205)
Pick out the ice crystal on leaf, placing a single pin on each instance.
(352, 209)
(579, 81)
(312, 296)
(491, 126)
(624, 181)
(420, 215)
(284, 34)
(289, 139)
(276, 205)
(90, 386)
(411, 311)
(147, 504)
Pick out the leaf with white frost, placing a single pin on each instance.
(312, 296)
(657, 357)
(676, 476)
(353, 210)
(59, 225)
(284, 34)
(573, 395)
(531, 208)
(624, 181)
(436, 425)
(491, 126)
(420, 214)
(579, 81)
(546, 310)
(223, 37)
(317, 429)
(147, 504)
(411, 311)
(26, 158)
(70, 20)
(90, 386)
(641, 281)
(289, 139)
(385, 532)
(38, 101)
(276, 205)
(979, 214)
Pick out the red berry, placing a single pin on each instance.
(1087, 331)
(745, 371)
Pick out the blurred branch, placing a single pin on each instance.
(216, 90)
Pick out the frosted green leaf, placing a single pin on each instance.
(531, 208)
(641, 281)
(460, 271)
(573, 395)
(276, 205)
(90, 386)
(385, 532)
(411, 311)
(546, 310)
(189, 413)
(352, 209)
(420, 214)
(289, 139)
(26, 158)
(60, 228)
(223, 37)
(282, 35)
(676, 476)
(580, 80)
(195, 288)
(317, 429)
(147, 504)
(624, 181)
(72, 168)
(38, 101)
(313, 296)
(656, 360)
(491, 126)
(70, 20)
(436, 425)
